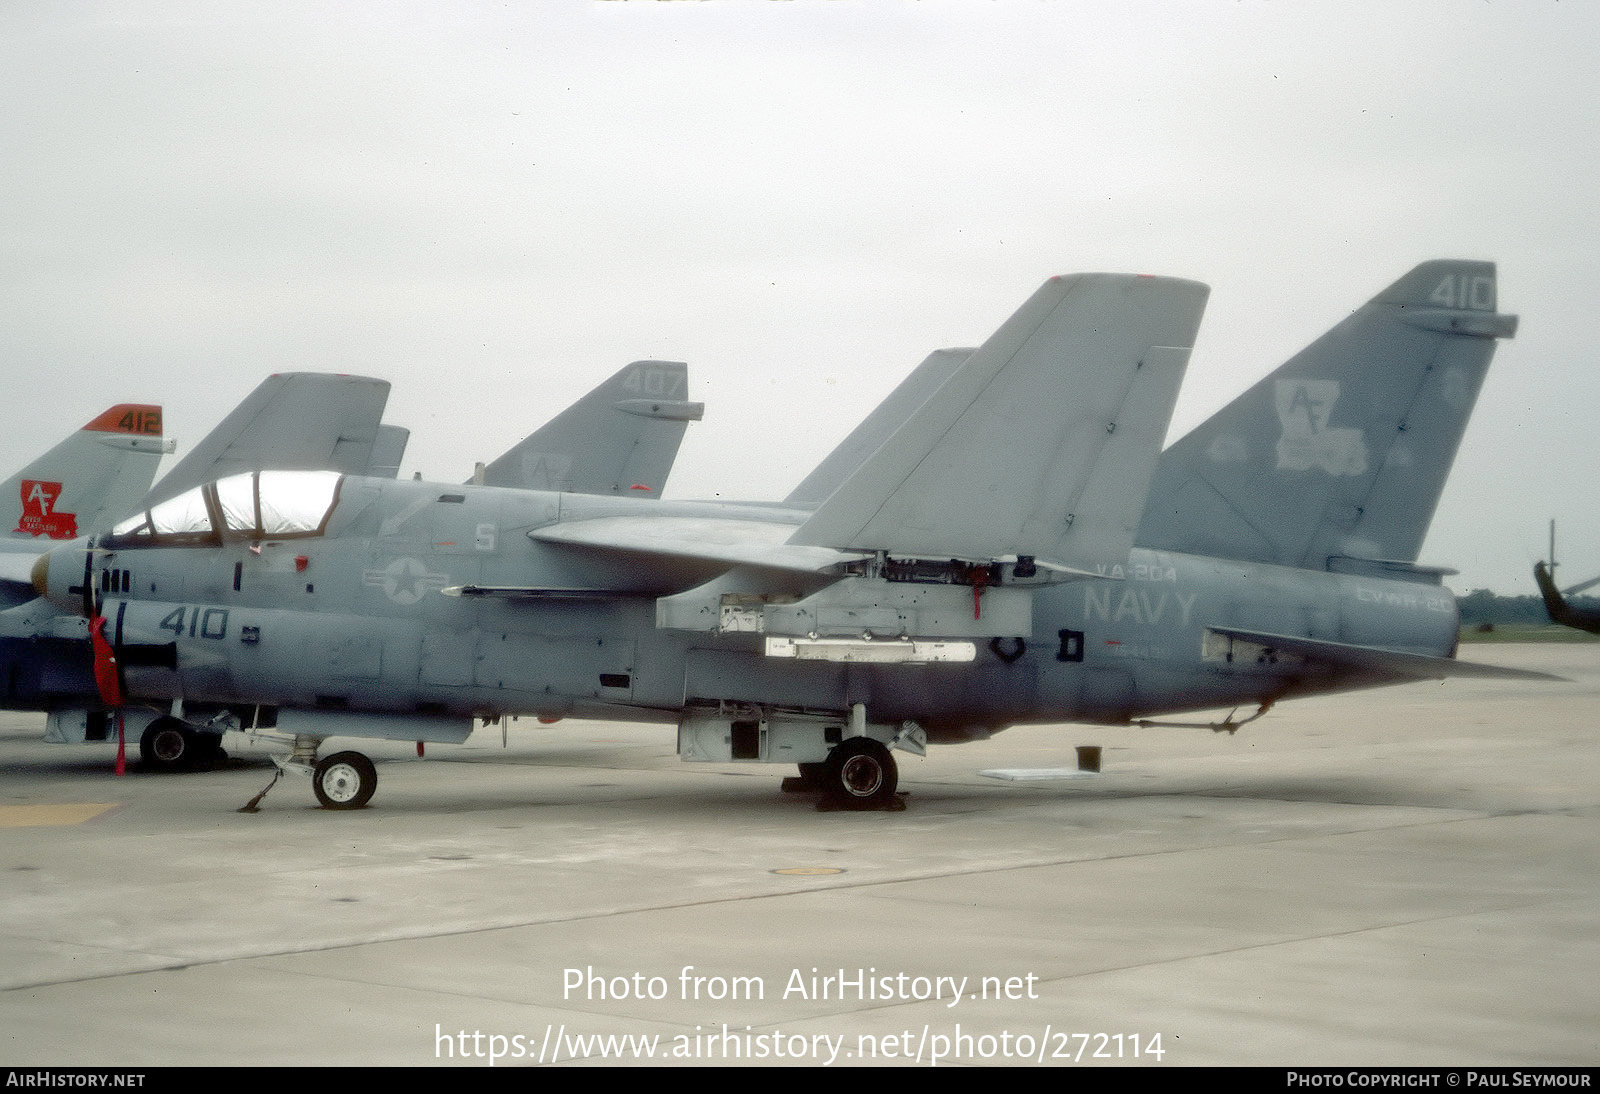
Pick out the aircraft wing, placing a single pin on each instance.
(1042, 443)
(1395, 664)
(703, 539)
(294, 421)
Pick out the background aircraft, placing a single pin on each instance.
(622, 438)
(94, 476)
(1555, 600)
(979, 569)
(291, 421)
(1556, 606)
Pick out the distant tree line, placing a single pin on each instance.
(1482, 606)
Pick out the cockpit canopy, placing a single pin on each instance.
(254, 505)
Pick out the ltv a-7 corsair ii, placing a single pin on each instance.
(620, 438)
(94, 476)
(994, 561)
(105, 472)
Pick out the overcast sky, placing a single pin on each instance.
(496, 205)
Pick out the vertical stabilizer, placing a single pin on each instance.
(293, 421)
(92, 478)
(1342, 453)
(388, 451)
(1043, 441)
(621, 438)
(876, 428)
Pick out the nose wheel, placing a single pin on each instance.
(345, 780)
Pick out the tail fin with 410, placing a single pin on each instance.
(1336, 461)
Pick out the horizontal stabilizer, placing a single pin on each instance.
(1390, 569)
(294, 421)
(1041, 444)
(1392, 663)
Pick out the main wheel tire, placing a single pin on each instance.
(861, 773)
(345, 780)
(167, 745)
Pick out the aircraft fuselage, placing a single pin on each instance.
(355, 620)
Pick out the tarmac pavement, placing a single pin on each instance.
(1409, 876)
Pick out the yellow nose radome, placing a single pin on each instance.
(59, 575)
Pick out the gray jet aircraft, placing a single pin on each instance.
(290, 420)
(621, 438)
(94, 476)
(992, 562)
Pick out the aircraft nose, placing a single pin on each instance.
(59, 575)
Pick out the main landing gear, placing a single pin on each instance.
(860, 773)
(171, 744)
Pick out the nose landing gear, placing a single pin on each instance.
(345, 780)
